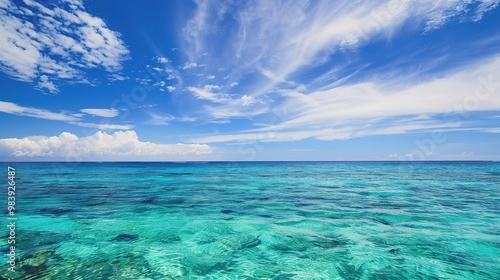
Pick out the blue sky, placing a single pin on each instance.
(250, 80)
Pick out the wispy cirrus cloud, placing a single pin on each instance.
(365, 109)
(159, 119)
(267, 53)
(105, 113)
(121, 145)
(225, 106)
(12, 108)
(57, 43)
(206, 93)
(104, 125)
(493, 130)
(313, 29)
(65, 116)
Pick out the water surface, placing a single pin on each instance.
(269, 220)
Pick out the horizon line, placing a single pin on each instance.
(245, 161)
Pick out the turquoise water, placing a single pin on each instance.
(295, 220)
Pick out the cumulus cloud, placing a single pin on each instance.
(161, 59)
(45, 44)
(247, 100)
(105, 113)
(121, 145)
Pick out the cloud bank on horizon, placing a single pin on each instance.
(121, 145)
(222, 74)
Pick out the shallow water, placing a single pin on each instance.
(295, 220)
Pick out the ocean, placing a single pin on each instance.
(253, 220)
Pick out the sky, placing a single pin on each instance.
(397, 80)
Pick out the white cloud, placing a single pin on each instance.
(493, 130)
(224, 106)
(157, 119)
(46, 83)
(196, 26)
(188, 65)
(442, 11)
(212, 93)
(164, 76)
(161, 59)
(121, 145)
(68, 117)
(207, 94)
(484, 7)
(160, 84)
(144, 81)
(370, 100)
(211, 87)
(269, 50)
(49, 44)
(147, 106)
(187, 119)
(12, 108)
(247, 100)
(210, 77)
(104, 126)
(105, 113)
(325, 134)
(372, 109)
(234, 109)
(117, 77)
